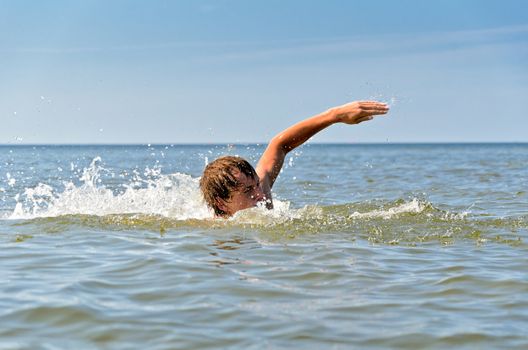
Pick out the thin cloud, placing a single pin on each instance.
(371, 44)
(391, 43)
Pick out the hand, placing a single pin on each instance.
(360, 111)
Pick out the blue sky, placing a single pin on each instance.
(241, 71)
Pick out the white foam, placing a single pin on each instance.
(176, 196)
(11, 181)
(281, 212)
(414, 206)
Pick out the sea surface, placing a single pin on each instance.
(401, 246)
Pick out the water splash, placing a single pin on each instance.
(154, 201)
(415, 206)
(175, 196)
(383, 93)
(281, 213)
(11, 181)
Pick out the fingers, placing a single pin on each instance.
(360, 111)
(365, 103)
(364, 119)
(371, 103)
(375, 111)
(373, 107)
(376, 107)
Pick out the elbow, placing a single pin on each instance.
(278, 142)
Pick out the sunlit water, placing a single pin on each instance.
(369, 246)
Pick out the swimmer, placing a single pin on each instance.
(230, 184)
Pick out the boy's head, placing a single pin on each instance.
(230, 184)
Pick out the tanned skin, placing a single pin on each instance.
(268, 168)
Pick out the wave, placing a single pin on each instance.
(176, 196)
(410, 222)
(159, 202)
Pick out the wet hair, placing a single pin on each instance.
(218, 181)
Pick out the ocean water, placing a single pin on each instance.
(368, 247)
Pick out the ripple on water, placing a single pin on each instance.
(100, 267)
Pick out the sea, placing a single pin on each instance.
(370, 246)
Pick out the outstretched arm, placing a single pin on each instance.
(270, 164)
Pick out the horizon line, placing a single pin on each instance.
(149, 144)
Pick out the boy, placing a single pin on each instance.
(230, 184)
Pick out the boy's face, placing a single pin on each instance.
(246, 195)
